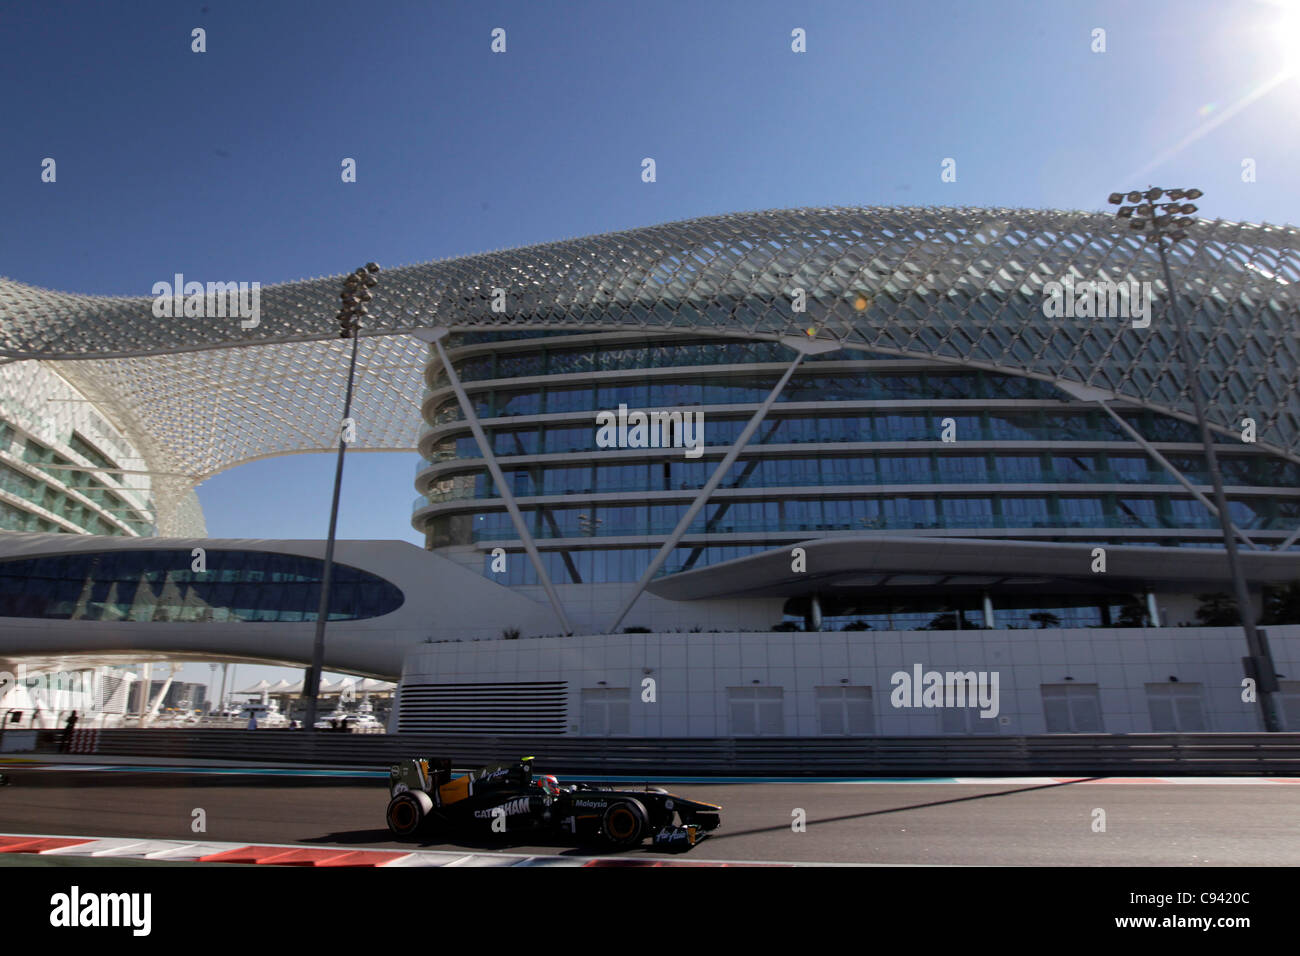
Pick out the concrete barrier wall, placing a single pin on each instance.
(1066, 754)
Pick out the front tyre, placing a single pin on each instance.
(624, 823)
(407, 812)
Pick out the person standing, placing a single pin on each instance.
(68, 728)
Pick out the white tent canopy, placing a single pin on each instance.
(363, 685)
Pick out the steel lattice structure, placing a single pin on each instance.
(958, 285)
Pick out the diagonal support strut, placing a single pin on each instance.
(503, 488)
(802, 347)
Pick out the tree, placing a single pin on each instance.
(1045, 619)
(1282, 604)
(946, 621)
(1132, 614)
(1217, 610)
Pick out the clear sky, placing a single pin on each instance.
(226, 164)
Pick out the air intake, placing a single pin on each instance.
(531, 707)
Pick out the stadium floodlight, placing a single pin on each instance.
(1134, 196)
(1115, 199)
(1259, 663)
(349, 319)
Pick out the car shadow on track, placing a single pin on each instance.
(440, 841)
(29, 778)
(782, 827)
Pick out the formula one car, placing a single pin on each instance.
(510, 799)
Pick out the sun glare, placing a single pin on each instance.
(1285, 32)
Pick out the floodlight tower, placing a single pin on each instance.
(1170, 221)
(356, 293)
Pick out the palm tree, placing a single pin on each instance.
(1132, 614)
(944, 621)
(1282, 604)
(1045, 619)
(1217, 610)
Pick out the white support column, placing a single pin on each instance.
(162, 692)
(145, 681)
(815, 605)
(802, 347)
(1153, 610)
(989, 620)
(436, 336)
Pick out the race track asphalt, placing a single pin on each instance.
(994, 823)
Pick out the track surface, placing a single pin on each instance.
(900, 823)
(988, 823)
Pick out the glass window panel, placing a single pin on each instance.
(1074, 467)
(1129, 468)
(964, 468)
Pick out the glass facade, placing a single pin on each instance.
(851, 446)
(85, 499)
(964, 612)
(160, 585)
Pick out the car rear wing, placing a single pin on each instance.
(419, 773)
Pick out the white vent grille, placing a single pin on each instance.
(529, 707)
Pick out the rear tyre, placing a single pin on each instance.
(624, 823)
(407, 811)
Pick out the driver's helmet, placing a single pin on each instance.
(548, 784)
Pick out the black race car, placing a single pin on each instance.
(507, 799)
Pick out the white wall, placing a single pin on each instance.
(692, 672)
(443, 601)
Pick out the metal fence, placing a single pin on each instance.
(1065, 754)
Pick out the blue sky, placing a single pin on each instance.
(226, 163)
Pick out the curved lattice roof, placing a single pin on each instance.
(957, 285)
